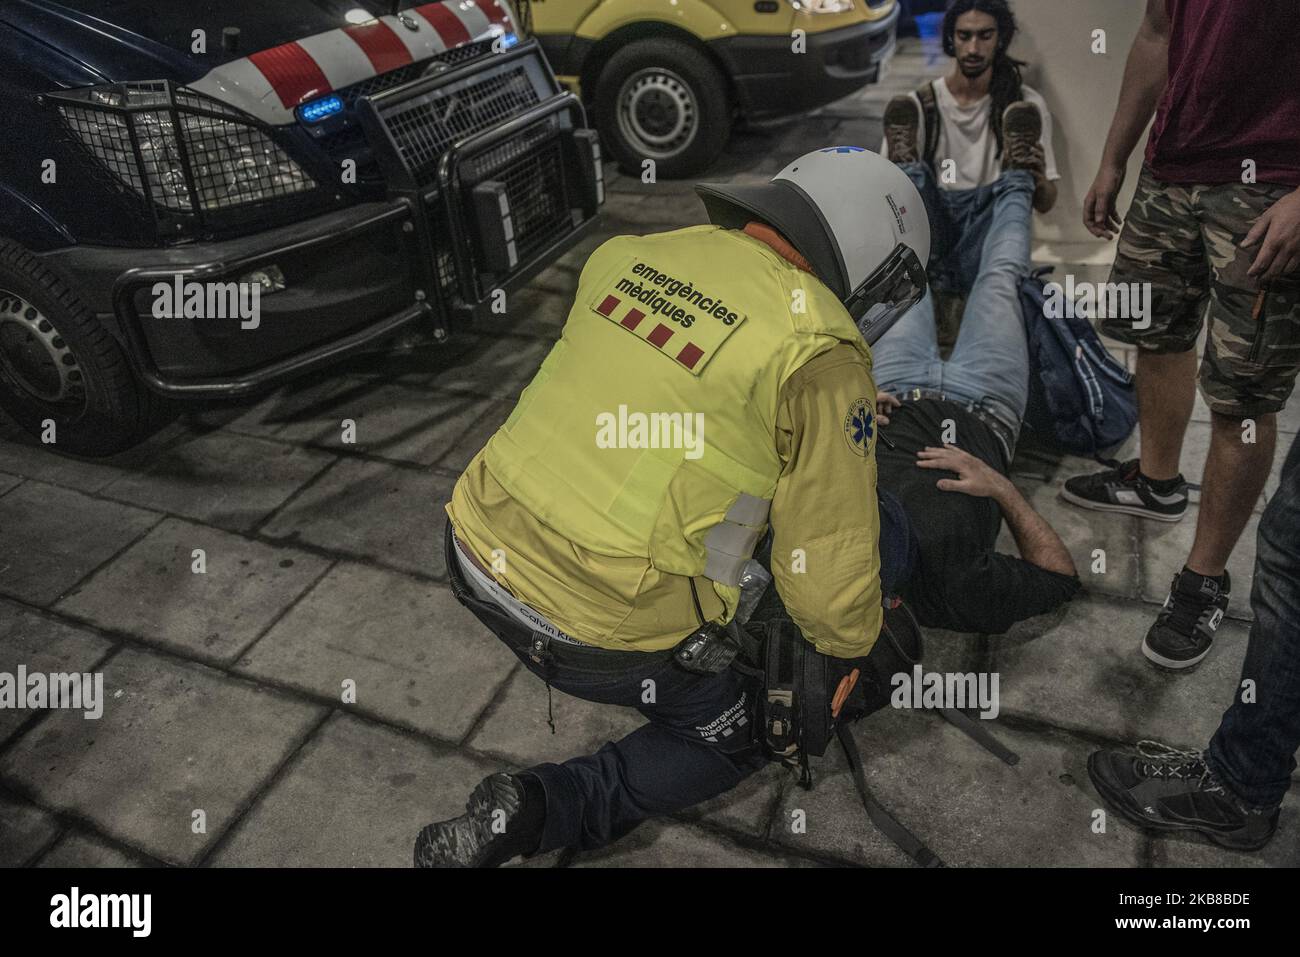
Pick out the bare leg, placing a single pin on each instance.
(1166, 391)
(1235, 472)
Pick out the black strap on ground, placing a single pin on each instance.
(908, 842)
(974, 729)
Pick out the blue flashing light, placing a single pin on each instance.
(317, 110)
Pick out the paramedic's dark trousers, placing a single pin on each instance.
(699, 741)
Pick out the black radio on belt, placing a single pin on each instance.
(708, 651)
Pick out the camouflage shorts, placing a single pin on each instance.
(1186, 242)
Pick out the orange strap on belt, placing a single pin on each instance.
(842, 692)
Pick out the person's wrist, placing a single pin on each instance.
(1003, 489)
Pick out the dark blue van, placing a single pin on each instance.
(206, 198)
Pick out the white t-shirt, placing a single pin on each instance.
(966, 138)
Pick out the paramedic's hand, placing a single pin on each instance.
(1099, 205)
(885, 404)
(973, 476)
(1279, 227)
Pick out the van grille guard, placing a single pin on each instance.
(499, 163)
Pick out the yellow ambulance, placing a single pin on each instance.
(666, 79)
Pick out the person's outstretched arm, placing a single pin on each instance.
(1037, 540)
(1145, 76)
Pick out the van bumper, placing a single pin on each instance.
(771, 82)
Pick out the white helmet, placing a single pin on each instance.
(856, 218)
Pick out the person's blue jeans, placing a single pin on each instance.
(990, 363)
(1253, 752)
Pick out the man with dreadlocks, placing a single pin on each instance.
(962, 137)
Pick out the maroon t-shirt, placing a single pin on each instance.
(1233, 93)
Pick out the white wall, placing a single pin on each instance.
(1081, 89)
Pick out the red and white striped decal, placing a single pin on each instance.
(271, 83)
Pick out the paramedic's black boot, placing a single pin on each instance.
(1184, 629)
(1165, 789)
(1127, 490)
(1022, 128)
(503, 818)
(902, 123)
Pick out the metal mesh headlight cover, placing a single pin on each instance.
(185, 152)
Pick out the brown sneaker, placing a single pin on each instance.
(902, 123)
(1022, 128)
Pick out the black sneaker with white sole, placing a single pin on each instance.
(1125, 489)
(1167, 789)
(503, 819)
(1184, 629)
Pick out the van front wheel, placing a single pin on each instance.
(665, 101)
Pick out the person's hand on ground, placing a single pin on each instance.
(1279, 228)
(974, 477)
(885, 404)
(1099, 214)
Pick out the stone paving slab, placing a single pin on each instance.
(412, 425)
(355, 796)
(468, 444)
(418, 659)
(965, 804)
(501, 369)
(174, 737)
(24, 830)
(42, 645)
(1083, 532)
(152, 592)
(231, 481)
(1166, 545)
(23, 455)
(79, 849)
(1083, 669)
(387, 513)
(54, 537)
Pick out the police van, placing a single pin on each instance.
(668, 78)
(204, 199)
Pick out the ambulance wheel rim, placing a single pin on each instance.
(35, 358)
(657, 112)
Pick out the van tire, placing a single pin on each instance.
(59, 363)
(668, 91)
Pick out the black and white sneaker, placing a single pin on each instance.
(1167, 789)
(1184, 629)
(1126, 490)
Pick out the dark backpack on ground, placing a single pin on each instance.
(1080, 399)
(796, 719)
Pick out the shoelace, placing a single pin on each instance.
(1171, 763)
(1185, 612)
(899, 141)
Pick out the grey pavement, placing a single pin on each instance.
(314, 695)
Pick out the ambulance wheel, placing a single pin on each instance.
(63, 377)
(663, 100)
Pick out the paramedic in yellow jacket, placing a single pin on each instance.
(709, 382)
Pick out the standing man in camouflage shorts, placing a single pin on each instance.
(1214, 228)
